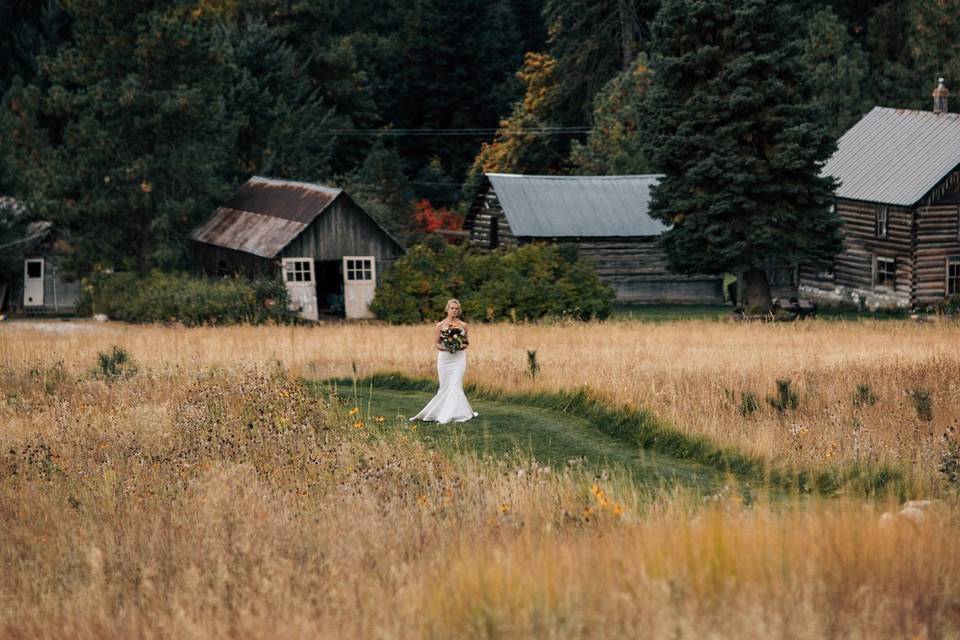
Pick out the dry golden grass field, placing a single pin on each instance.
(207, 493)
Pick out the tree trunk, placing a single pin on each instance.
(757, 291)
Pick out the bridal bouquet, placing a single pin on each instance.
(453, 339)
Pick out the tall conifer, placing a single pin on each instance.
(730, 122)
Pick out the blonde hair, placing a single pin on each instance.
(446, 308)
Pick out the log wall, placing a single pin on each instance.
(853, 267)
(480, 221)
(938, 238)
(637, 270)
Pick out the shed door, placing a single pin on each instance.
(33, 282)
(359, 281)
(298, 276)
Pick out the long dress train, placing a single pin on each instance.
(450, 404)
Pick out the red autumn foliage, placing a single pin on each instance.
(430, 219)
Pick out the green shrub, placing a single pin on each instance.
(174, 297)
(785, 399)
(864, 396)
(115, 364)
(529, 283)
(922, 403)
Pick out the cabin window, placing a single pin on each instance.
(885, 272)
(883, 215)
(494, 232)
(953, 275)
(299, 270)
(359, 269)
(825, 271)
(34, 268)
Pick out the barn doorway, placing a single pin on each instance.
(330, 287)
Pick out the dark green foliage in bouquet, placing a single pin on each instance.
(164, 297)
(533, 282)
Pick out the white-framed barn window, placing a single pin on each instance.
(883, 220)
(298, 270)
(359, 269)
(884, 272)
(953, 275)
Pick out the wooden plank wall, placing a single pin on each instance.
(938, 238)
(344, 229)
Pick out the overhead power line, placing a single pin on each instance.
(536, 131)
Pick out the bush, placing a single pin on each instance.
(922, 403)
(166, 297)
(529, 283)
(115, 364)
(864, 396)
(786, 398)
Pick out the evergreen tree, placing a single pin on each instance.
(615, 143)
(838, 72)
(458, 65)
(283, 117)
(731, 124)
(913, 43)
(140, 138)
(434, 184)
(381, 186)
(592, 42)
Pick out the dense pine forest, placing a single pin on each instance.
(126, 122)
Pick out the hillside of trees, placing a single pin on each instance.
(126, 123)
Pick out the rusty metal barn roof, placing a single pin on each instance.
(577, 206)
(265, 215)
(895, 156)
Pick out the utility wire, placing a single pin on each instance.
(537, 131)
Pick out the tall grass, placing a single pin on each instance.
(691, 375)
(199, 502)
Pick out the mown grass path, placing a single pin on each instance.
(552, 437)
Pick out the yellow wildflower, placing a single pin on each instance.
(504, 508)
(358, 424)
(354, 411)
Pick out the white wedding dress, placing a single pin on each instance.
(450, 404)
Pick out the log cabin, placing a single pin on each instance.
(605, 217)
(327, 249)
(899, 200)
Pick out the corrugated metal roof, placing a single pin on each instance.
(300, 201)
(255, 233)
(265, 215)
(895, 156)
(570, 206)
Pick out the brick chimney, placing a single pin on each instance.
(940, 96)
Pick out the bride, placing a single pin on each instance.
(450, 339)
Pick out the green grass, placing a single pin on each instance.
(552, 437)
(554, 427)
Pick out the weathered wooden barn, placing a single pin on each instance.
(899, 198)
(36, 285)
(329, 251)
(604, 216)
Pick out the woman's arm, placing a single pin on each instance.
(436, 338)
(466, 338)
